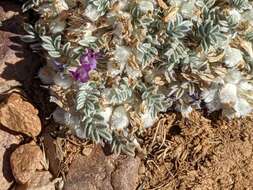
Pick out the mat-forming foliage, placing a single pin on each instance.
(117, 64)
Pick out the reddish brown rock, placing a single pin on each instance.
(20, 116)
(125, 177)
(41, 180)
(92, 172)
(8, 143)
(100, 172)
(52, 150)
(25, 160)
(17, 64)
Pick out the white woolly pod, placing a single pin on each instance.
(232, 94)
(46, 74)
(146, 6)
(235, 15)
(248, 16)
(62, 80)
(184, 109)
(122, 4)
(242, 107)
(91, 12)
(228, 94)
(188, 9)
(147, 119)
(119, 119)
(106, 113)
(65, 118)
(60, 5)
(59, 116)
(57, 25)
(232, 57)
(121, 55)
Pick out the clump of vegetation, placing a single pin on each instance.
(115, 65)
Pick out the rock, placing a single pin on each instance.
(100, 172)
(92, 172)
(17, 63)
(125, 177)
(20, 116)
(25, 160)
(9, 13)
(41, 180)
(52, 150)
(8, 143)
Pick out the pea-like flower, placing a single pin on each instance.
(88, 62)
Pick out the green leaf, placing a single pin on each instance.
(46, 39)
(177, 28)
(29, 29)
(121, 94)
(48, 47)
(54, 54)
(249, 36)
(57, 42)
(87, 41)
(66, 49)
(28, 38)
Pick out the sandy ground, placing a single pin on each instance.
(199, 154)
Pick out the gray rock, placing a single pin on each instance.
(41, 180)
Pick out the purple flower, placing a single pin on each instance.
(88, 62)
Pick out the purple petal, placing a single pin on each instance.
(84, 59)
(57, 65)
(88, 62)
(74, 74)
(86, 67)
(80, 74)
(93, 64)
(89, 57)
